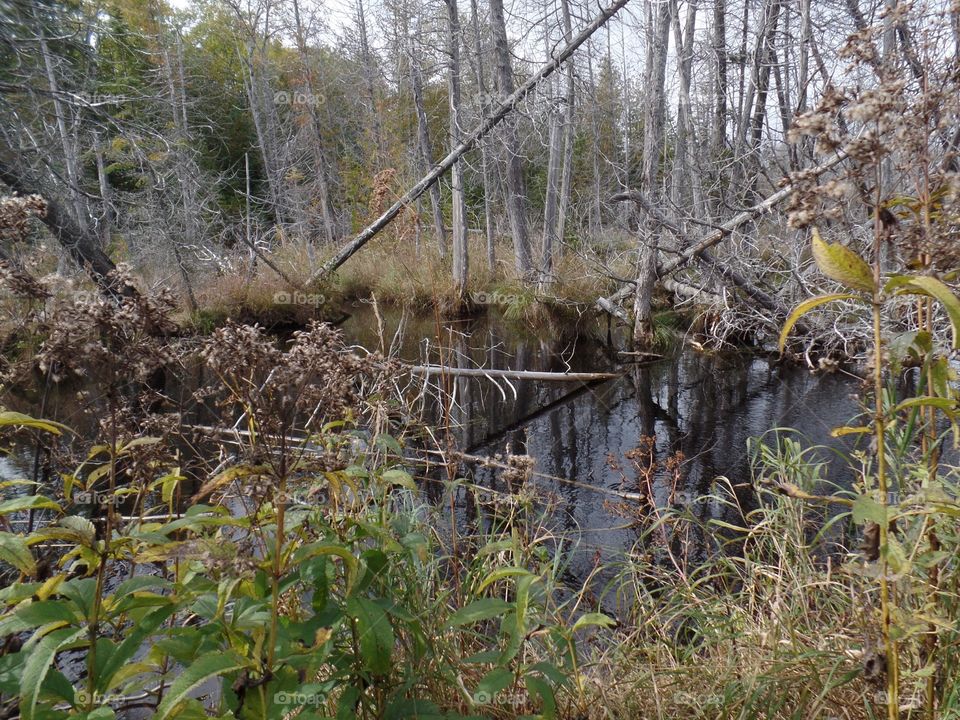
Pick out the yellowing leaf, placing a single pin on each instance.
(848, 430)
(806, 306)
(842, 264)
(935, 288)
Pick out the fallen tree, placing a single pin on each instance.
(697, 248)
(82, 247)
(490, 122)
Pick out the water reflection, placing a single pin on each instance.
(699, 409)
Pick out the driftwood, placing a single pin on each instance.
(490, 122)
(714, 237)
(511, 374)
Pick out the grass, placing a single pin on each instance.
(398, 276)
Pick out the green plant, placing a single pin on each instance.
(898, 544)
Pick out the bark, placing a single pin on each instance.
(321, 172)
(516, 199)
(484, 150)
(552, 200)
(82, 246)
(458, 200)
(369, 72)
(720, 87)
(712, 238)
(495, 118)
(566, 175)
(426, 153)
(653, 138)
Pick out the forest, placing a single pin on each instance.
(469, 359)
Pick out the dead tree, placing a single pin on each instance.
(489, 122)
(516, 187)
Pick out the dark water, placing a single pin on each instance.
(700, 408)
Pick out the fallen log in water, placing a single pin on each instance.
(510, 374)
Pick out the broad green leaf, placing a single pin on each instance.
(27, 502)
(482, 609)
(38, 665)
(500, 575)
(539, 688)
(935, 288)
(842, 264)
(205, 667)
(399, 477)
(313, 550)
(14, 551)
(491, 684)
(866, 508)
(593, 619)
(133, 641)
(375, 632)
(806, 306)
(14, 418)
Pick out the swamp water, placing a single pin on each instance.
(698, 409)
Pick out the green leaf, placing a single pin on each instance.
(15, 418)
(38, 665)
(133, 641)
(866, 508)
(27, 502)
(806, 306)
(313, 550)
(539, 688)
(482, 609)
(594, 619)
(399, 477)
(205, 667)
(500, 575)
(14, 550)
(375, 632)
(842, 264)
(947, 406)
(491, 684)
(935, 288)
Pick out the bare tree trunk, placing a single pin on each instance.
(566, 176)
(106, 217)
(67, 145)
(368, 77)
(426, 154)
(720, 89)
(653, 135)
(487, 124)
(552, 199)
(488, 223)
(516, 187)
(320, 170)
(79, 243)
(459, 206)
(686, 185)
